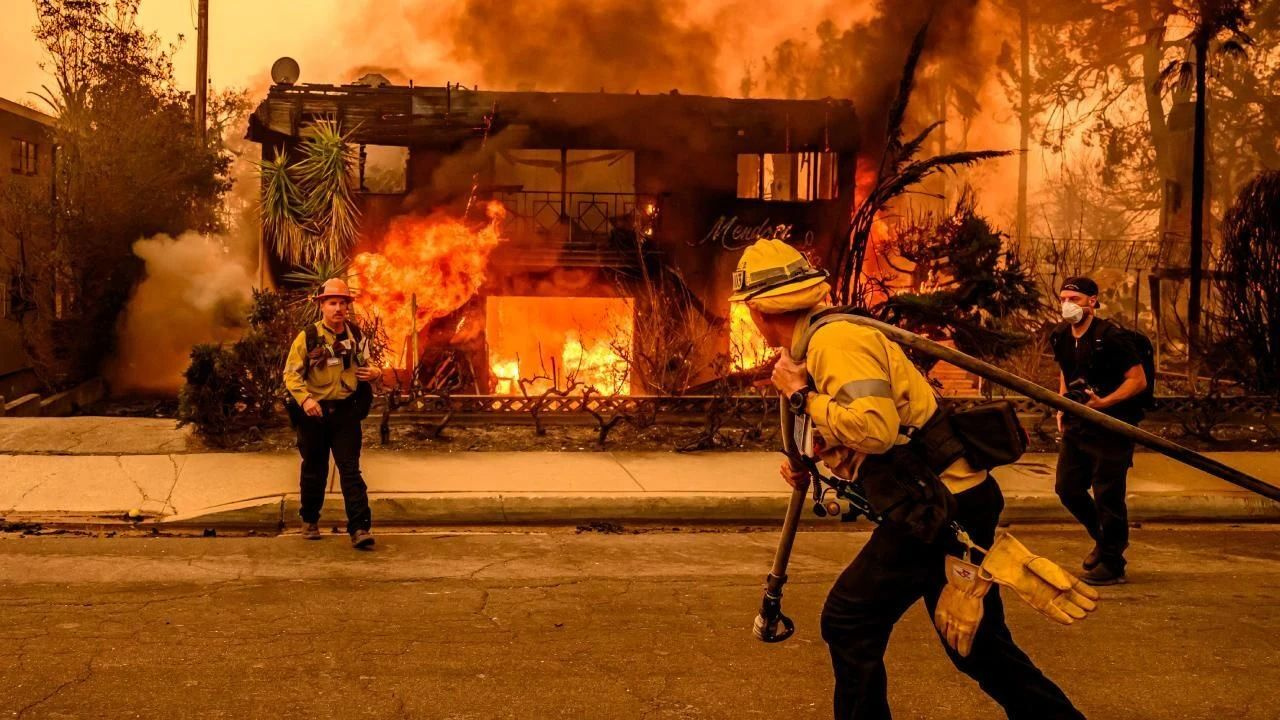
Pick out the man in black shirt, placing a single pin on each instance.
(1101, 368)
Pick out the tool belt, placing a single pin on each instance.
(359, 402)
(904, 485)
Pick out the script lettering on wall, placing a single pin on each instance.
(731, 233)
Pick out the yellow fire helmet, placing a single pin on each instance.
(771, 267)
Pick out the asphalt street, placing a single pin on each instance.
(559, 624)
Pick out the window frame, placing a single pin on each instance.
(816, 164)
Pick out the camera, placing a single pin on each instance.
(1078, 391)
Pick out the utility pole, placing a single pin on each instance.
(1024, 117)
(202, 69)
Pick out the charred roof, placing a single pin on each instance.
(446, 117)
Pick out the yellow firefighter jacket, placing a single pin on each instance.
(326, 380)
(868, 394)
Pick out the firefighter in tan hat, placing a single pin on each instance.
(867, 404)
(329, 385)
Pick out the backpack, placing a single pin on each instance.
(363, 394)
(1146, 355)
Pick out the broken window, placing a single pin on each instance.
(384, 168)
(22, 156)
(574, 171)
(791, 177)
(528, 170)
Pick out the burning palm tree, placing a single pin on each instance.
(899, 170)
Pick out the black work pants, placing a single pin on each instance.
(1100, 464)
(888, 576)
(337, 432)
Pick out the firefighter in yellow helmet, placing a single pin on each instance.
(865, 399)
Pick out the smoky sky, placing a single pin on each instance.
(587, 45)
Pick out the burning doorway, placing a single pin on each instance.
(561, 343)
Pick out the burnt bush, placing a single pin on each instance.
(234, 391)
(1249, 273)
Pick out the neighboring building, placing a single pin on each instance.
(601, 190)
(27, 213)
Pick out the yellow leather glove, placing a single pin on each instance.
(959, 609)
(1039, 581)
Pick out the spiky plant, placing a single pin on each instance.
(282, 223)
(328, 201)
(308, 279)
(899, 170)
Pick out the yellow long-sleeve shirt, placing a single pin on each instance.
(326, 382)
(868, 391)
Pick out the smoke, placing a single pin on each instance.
(196, 290)
(587, 45)
(553, 45)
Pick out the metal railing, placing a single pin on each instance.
(587, 217)
(693, 409)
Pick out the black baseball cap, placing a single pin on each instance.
(1081, 285)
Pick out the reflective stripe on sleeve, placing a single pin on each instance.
(864, 388)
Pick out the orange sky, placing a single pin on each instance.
(245, 37)
(329, 38)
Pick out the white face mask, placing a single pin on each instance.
(1072, 312)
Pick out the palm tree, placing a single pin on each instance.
(898, 172)
(282, 223)
(1223, 22)
(308, 208)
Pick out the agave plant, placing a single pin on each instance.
(899, 170)
(325, 175)
(282, 223)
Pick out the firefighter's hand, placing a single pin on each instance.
(368, 374)
(1059, 422)
(792, 475)
(312, 408)
(789, 376)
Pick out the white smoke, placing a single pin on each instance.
(196, 289)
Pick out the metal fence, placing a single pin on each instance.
(738, 410)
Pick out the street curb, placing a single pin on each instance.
(275, 512)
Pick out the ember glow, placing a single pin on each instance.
(440, 259)
(565, 343)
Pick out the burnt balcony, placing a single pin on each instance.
(577, 229)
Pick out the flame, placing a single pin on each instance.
(440, 259)
(506, 377)
(747, 347)
(565, 343)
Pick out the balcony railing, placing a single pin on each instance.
(584, 228)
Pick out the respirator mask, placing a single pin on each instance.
(1072, 312)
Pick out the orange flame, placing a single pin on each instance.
(440, 259)
(559, 343)
(747, 347)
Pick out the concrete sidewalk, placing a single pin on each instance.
(420, 488)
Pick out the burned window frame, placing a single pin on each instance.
(821, 182)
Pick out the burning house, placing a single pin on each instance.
(509, 236)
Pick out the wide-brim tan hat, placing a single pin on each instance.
(334, 287)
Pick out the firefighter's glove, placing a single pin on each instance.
(1039, 581)
(959, 609)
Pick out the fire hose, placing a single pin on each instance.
(770, 617)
